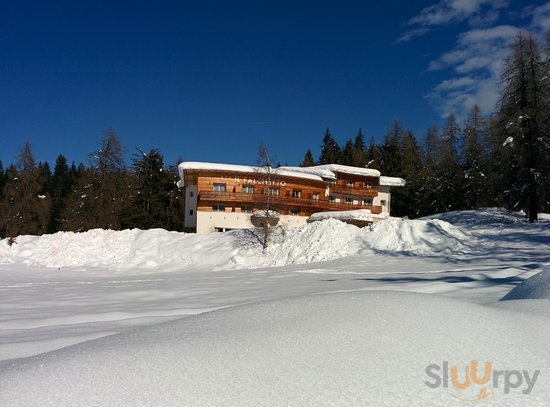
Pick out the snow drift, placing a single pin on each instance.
(158, 249)
(338, 349)
(534, 288)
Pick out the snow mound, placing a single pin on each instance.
(481, 217)
(159, 250)
(419, 237)
(340, 349)
(534, 288)
(120, 250)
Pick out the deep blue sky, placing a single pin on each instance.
(209, 81)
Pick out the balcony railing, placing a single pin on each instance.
(366, 192)
(257, 199)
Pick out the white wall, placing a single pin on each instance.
(207, 222)
(383, 194)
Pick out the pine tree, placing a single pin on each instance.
(449, 171)
(109, 183)
(373, 155)
(475, 179)
(330, 150)
(359, 150)
(60, 186)
(407, 199)
(149, 205)
(390, 151)
(308, 160)
(347, 153)
(523, 114)
(2, 180)
(26, 206)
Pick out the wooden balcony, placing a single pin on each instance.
(343, 190)
(283, 202)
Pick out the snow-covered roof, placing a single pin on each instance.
(316, 173)
(247, 169)
(328, 171)
(315, 170)
(346, 169)
(356, 214)
(392, 181)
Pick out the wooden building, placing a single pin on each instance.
(221, 197)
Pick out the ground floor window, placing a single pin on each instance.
(349, 201)
(295, 212)
(218, 208)
(246, 208)
(367, 201)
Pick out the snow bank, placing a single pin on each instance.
(152, 249)
(419, 237)
(341, 349)
(536, 287)
(158, 250)
(482, 217)
(356, 214)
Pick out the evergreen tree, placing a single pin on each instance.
(2, 180)
(149, 205)
(347, 153)
(407, 199)
(308, 160)
(330, 150)
(109, 186)
(60, 186)
(449, 172)
(390, 151)
(475, 170)
(25, 207)
(523, 116)
(359, 150)
(373, 155)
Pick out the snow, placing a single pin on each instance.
(509, 141)
(331, 314)
(337, 349)
(151, 250)
(536, 287)
(247, 169)
(392, 181)
(357, 214)
(345, 169)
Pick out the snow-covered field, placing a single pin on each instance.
(330, 315)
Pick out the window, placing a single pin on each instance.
(274, 191)
(349, 201)
(383, 202)
(218, 208)
(248, 189)
(315, 196)
(350, 183)
(191, 194)
(368, 185)
(295, 212)
(191, 212)
(332, 198)
(218, 187)
(246, 209)
(296, 193)
(367, 201)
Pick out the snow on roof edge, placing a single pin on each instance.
(392, 181)
(283, 171)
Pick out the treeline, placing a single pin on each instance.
(500, 161)
(34, 199)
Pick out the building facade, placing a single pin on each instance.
(220, 197)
